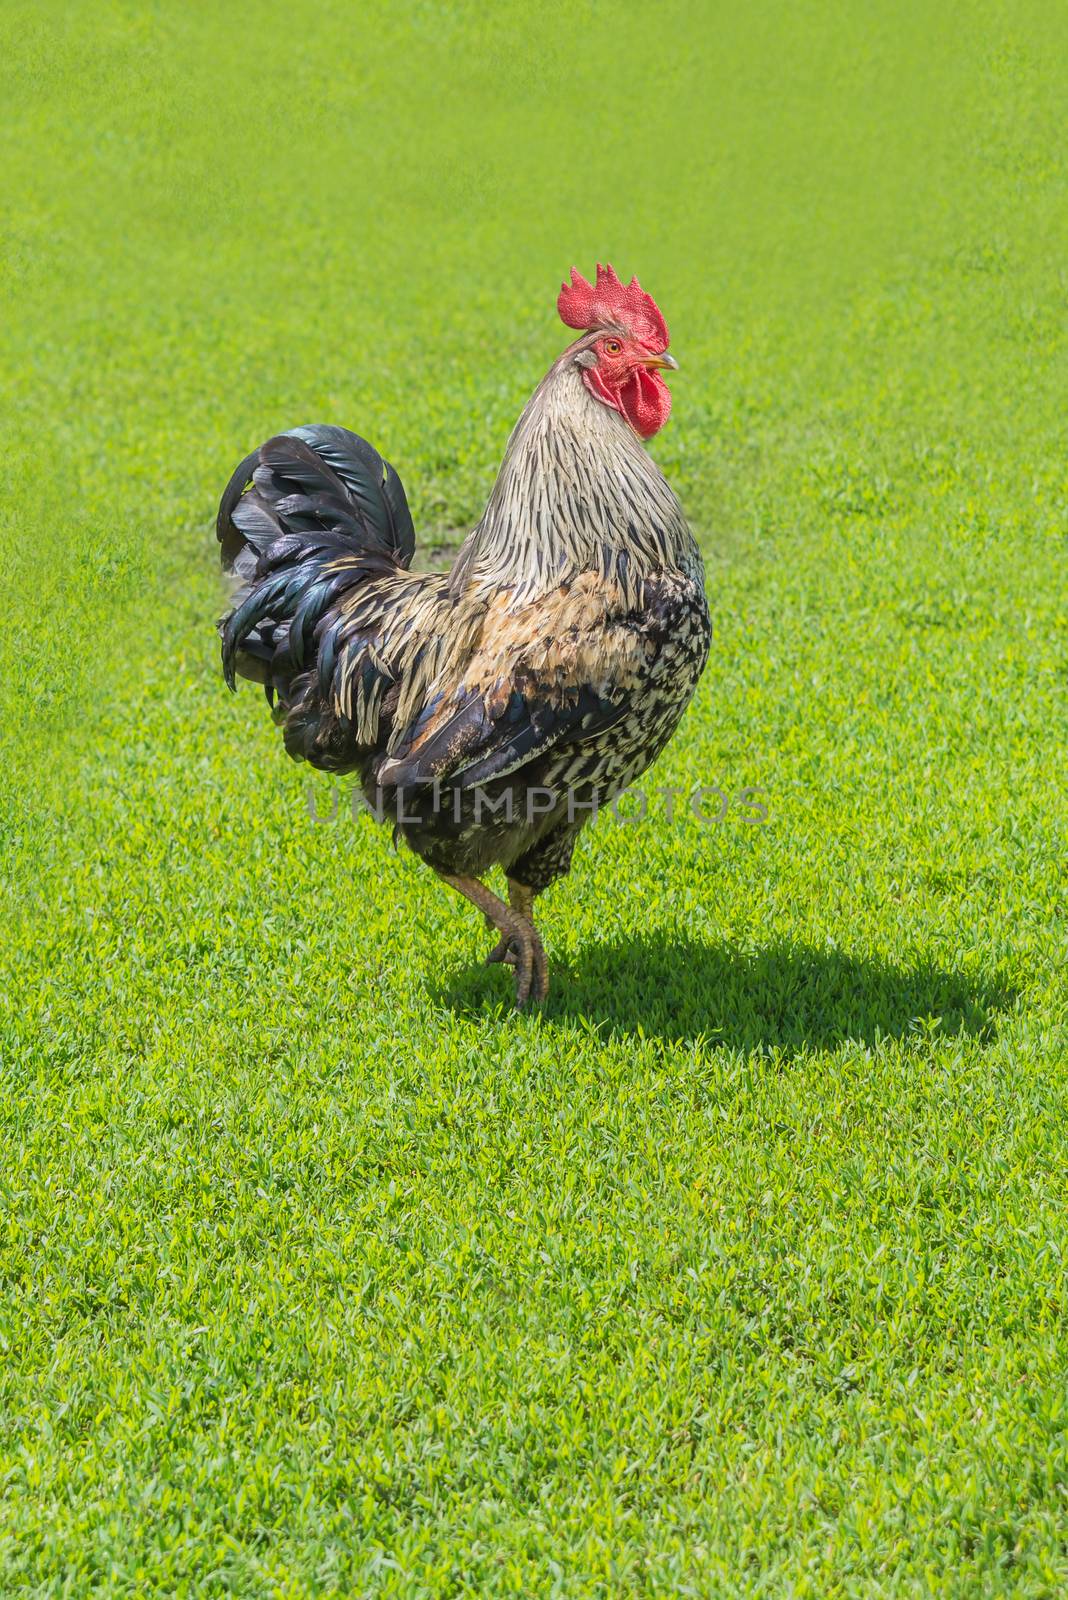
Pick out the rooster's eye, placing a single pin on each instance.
(612, 347)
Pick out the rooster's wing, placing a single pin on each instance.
(567, 670)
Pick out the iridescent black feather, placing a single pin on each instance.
(308, 516)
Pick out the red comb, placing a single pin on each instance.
(608, 302)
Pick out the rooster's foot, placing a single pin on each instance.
(508, 952)
(522, 949)
(519, 945)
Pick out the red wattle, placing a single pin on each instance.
(643, 398)
(645, 401)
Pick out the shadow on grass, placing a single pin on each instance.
(784, 996)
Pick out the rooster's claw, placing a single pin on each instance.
(504, 950)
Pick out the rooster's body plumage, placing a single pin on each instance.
(487, 712)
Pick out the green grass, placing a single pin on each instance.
(741, 1271)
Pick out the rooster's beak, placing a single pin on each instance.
(662, 361)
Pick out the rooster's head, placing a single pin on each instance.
(624, 348)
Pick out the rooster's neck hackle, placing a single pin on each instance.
(576, 492)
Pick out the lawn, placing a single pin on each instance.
(740, 1270)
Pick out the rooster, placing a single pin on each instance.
(487, 711)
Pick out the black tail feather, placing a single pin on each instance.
(315, 479)
(292, 509)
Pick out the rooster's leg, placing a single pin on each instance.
(521, 899)
(520, 945)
